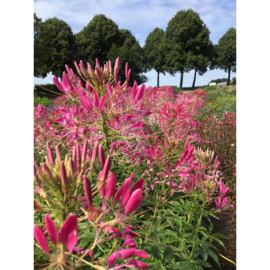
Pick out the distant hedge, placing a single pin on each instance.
(40, 92)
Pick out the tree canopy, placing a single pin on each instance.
(225, 53)
(129, 51)
(96, 39)
(56, 38)
(188, 43)
(155, 52)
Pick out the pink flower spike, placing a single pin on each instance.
(102, 103)
(126, 253)
(68, 227)
(72, 240)
(129, 72)
(140, 253)
(136, 264)
(84, 151)
(86, 103)
(110, 68)
(51, 229)
(136, 125)
(109, 89)
(110, 185)
(58, 84)
(129, 242)
(87, 87)
(41, 239)
(87, 190)
(94, 156)
(97, 64)
(96, 99)
(125, 191)
(224, 201)
(58, 153)
(140, 93)
(112, 259)
(134, 202)
(116, 76)
(118, 194)
(134, 89)
(101, 155)
(138, 185)
(49, 152)
(226, 190)
(61, 120)
(126, 70)
(98, 74)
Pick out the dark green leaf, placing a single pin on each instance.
(155, 252)
(168, 253)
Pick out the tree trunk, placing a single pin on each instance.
(228, 82)
(181, 80)
(158, 78)
(193, 85)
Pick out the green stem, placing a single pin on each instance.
(196, 233)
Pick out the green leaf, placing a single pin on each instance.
(210, 228)
(201, 262)
(168, 253)
(218, 240)
(171, 240)
(220, 235)
(204, 253)
(155, 252)
(213, 255)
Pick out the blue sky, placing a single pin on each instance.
(141, 17)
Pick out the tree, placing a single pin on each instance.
(41, 52)
(201, 54)
(96, 39)
(154, 52)
(129, 51)
(57, 38)
(233, 82)
(188, 43)
(225, 53)
(219, 80)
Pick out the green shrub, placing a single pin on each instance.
(43, 101)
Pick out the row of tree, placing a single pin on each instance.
(184, 46)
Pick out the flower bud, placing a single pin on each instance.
(58, 153)
(49, 152)
(94, 156)
(72, 168)
(84, 151)
(37, 206)
(48, 171)
(101, 156)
